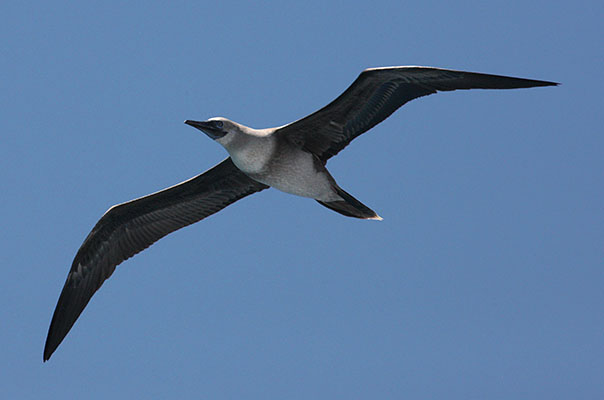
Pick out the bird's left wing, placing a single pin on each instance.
(376, 94)
(131, 227)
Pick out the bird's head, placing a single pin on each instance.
(216, 128)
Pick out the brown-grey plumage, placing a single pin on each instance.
(375, 95)
(290, 158)
(131, 227)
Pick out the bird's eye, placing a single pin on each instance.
(218, 124)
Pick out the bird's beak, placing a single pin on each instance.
(207, 127)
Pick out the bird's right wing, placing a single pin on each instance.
(131, 227)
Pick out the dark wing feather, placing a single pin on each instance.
(131, 227)
(376, 94)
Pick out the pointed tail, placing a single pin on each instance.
(349, 206)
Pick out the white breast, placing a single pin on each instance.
(295, 173)
(285, 168)
(253, 156)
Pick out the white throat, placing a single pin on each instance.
(250, 151)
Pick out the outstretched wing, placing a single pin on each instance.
(131, 227)
(376, 94)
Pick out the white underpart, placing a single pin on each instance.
(254, 156)
(292, 171)
(295, 173)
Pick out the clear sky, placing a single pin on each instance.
(484, 281)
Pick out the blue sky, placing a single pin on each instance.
(484, 280)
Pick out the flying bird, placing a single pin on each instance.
(290, 158)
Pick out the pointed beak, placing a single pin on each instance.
(207, 127)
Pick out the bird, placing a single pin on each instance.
(291, 158)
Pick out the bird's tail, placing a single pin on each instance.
(349, 206)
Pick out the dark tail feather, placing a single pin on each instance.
(350, 206)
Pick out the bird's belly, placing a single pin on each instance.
(297, 174)
(306, 186)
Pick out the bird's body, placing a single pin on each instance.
(296, 172)
(267, 158)
(291, 158)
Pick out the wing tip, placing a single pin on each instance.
(544, 83)
(53, 340)
(48, 350)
